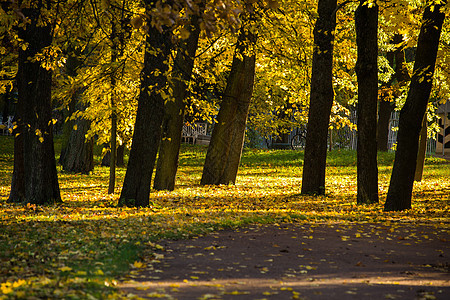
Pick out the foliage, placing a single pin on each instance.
(83, 247)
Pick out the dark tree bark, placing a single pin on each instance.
(106, 159)
(17, 192)
(79, 154)
(120, 156)
(113, 139)
(72, 64)
(172, 126)
(384, 117)
(225, 149)
(238, 137)
(321, 100)
(366, 22)
(150, 113)
(117, 46)
(34, 87)
(5, 112)
(422, 151)
(411, 116)
(67, 128)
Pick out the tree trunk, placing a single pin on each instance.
(366, 22)
(238, 137)
(113, 141)
(321, 100)
(34, 87)
(411, 116)
(106, 159)
(67, 129)
(79, 154)
(422, 151)
(150, 113)
(120, 156)
(384, 117)
(225, 148)
(172, 126)
(330, 140)
(120, 152)
(115, 38)
(5, 112)
(72, 64)
(17, 192)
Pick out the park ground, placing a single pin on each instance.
(255, 240)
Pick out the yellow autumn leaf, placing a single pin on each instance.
(184, 33)
(99, 272)
(65, 269)
(6, 288)
(138, 265)
(81, 273)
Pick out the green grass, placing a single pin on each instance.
(81, 247)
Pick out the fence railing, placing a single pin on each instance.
(6, 129)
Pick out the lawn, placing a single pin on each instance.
(83, 247)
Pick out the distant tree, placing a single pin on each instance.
(412, 114)
(225, 149)
(391, 90)
(77, 153)
(366, 22)
(120, 155)
(321, 100)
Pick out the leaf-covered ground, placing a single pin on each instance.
(82, 248)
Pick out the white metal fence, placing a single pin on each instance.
(6, 128)
(191, 132)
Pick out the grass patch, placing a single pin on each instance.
(80, 248)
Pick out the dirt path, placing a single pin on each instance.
(327, 261)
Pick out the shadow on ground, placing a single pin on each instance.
(301, 261)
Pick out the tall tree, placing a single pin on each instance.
(172, 126)
(34, 88)
(116, 38)
(150, 113)
(366, 22)
(411, 116)
(225, 149)
(77, 154)
(321, 100)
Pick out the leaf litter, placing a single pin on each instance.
(88, 248)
